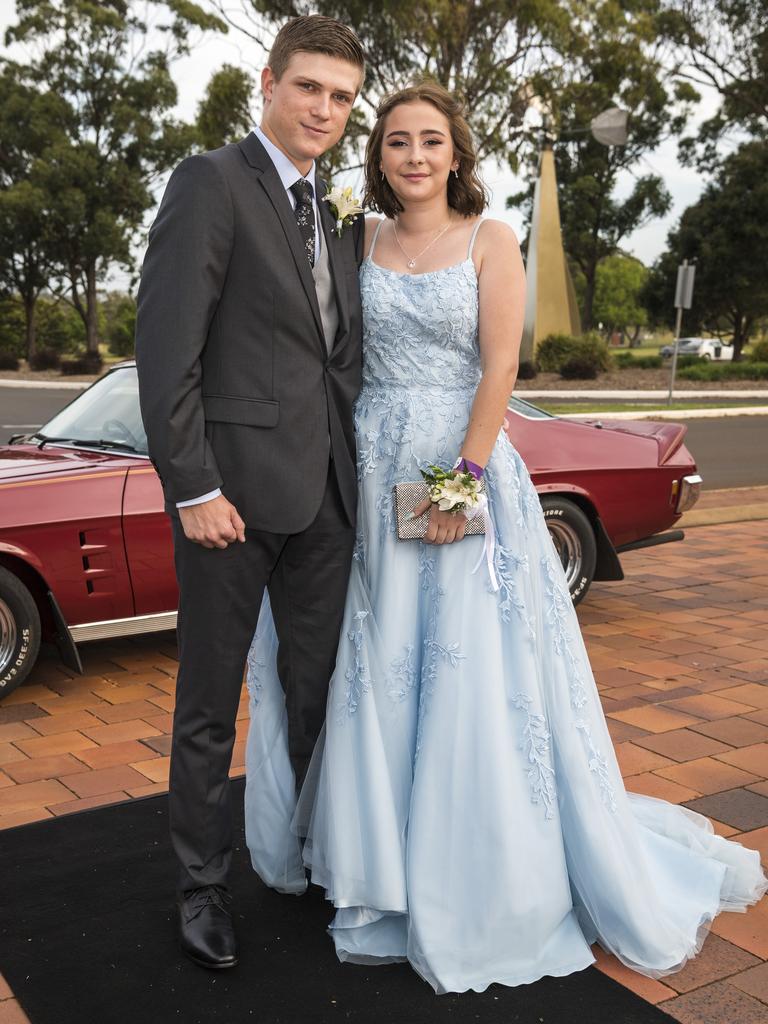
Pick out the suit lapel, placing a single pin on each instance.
(331, 240)
(270, 181)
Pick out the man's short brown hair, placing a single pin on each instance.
(314, 33)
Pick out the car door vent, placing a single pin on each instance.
(98, 563)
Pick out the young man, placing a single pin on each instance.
(248, 350)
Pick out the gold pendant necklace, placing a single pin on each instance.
(411, 260)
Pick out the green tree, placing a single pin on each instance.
(724, 44)
(726, 233)
(224, 114)
(119, 134)
(616, 60)
(618, 289)
(11, 325)
(119, 314)
(60, 327)
(30, 120)
(492, 54)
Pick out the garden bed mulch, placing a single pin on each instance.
(615, 380)
(635, 380)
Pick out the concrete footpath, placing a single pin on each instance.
(702, 413)
(734, 505)
(619, 395)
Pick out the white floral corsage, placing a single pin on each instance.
(345, 206)
(454, 491)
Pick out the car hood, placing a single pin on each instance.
(668, 437)
(19, 461)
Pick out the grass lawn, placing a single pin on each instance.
(565, 408)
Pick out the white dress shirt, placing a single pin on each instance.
(289, 175)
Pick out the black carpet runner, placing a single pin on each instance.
(87, 937)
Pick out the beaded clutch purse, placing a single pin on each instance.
(407, 497)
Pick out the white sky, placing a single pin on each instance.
(684, 183)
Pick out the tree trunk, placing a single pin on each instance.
(92, 314)
(738, 336)
(590, 277)
(30, 320)
(747, 326)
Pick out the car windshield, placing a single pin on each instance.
(106, 415)
(532, 412)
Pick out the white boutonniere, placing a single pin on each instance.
(345, 206)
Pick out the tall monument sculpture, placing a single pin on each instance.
(550, 306)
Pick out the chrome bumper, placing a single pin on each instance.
(686, 492)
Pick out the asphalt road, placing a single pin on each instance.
(23, 410)
(729, 452)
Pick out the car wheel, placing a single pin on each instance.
(19, 632)
(574, 540)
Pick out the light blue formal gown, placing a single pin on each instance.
(464, 809)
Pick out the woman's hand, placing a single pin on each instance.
(444, 527)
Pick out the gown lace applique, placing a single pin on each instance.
(464, 809)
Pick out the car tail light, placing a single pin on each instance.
(687, 492)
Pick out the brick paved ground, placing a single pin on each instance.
(680, 653)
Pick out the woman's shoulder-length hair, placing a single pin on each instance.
(466, 192)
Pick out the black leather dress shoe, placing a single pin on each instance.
(205, 927)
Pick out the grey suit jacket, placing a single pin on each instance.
(236, 385)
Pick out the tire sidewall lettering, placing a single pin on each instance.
(21, 658)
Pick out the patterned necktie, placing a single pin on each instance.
(305, 216)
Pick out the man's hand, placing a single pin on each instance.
(444, 527)
(214, 523)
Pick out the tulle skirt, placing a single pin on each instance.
(464, 809)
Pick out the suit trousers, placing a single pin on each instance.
(221, 591)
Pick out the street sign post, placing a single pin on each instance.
(683, 300)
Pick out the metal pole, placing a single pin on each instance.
(683, 300)
(678, 323)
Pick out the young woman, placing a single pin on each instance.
(464, 809)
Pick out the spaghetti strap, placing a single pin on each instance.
(472, 238)
(373, 242)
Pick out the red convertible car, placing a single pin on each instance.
(85, 546)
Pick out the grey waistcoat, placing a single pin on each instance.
(326, 294)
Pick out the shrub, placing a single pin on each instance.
(8, 361)
(557, 349)
(553, 351)
(649, 362)
(527, 370)
(594, 347)
(86, 364)
(759, 351)
(725, 371)
(119, 323)
(625, 361)
(59, 326)
(12, 326)
(45, 359)
(684, 361)
(580, 367)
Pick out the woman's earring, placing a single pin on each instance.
(456, 171)
(382, 173)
